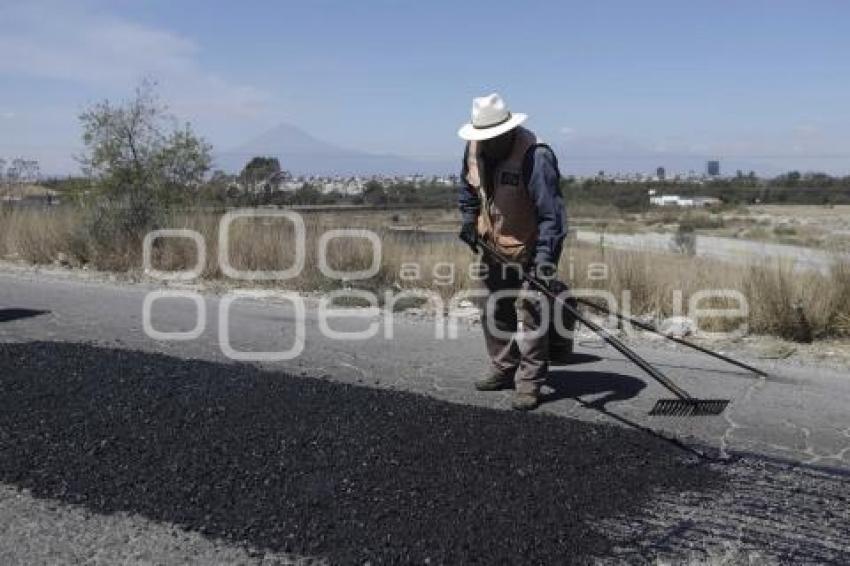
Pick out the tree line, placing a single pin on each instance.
(139, 159)
(789, 188)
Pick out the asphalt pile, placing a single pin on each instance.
(300, 465)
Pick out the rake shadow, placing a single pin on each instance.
(576, 384)
(616, 387)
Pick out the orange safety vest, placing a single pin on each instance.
(508, 216)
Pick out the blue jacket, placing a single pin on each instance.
(541, 176)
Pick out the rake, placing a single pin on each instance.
(684, 405)
(649, 328)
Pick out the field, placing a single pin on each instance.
(782, 302)
(821, 227)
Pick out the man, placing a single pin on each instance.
(510, 197)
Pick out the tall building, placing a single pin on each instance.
(660, 173)
(713, 168)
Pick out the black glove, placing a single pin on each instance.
(546, 273)
(469, 234)
(557, 287)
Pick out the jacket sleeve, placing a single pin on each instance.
(545, 191)
(468, 200)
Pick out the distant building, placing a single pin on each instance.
(713, 168)
(660, 173)
(676, 200)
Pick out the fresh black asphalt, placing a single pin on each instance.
(297, 464)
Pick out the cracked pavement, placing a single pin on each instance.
(787, 436)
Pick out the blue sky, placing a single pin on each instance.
(615, 85)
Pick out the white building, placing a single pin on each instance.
(676, 200)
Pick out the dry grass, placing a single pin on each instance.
(35, 235)
(782, 302)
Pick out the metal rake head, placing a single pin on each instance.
(689, 407)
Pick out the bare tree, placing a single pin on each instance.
(28, 170)
(3, 188)
(13, 177)
(20, 173)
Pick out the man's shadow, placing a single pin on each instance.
(8, 315)
(575, 384)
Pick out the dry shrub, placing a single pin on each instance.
(649, 281)
(96, 235)
(701, 220)
(268, 244)
(798, 305)
(36, 235)
(782, 301)
(442, 266)
(839, 320)
(841, 324)
(773, 298)
(5, 230)
(595, 211)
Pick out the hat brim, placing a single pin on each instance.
(469, 132)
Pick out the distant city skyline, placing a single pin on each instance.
(619, 86)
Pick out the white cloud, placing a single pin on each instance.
(8, 115)
(63, 41)
(82, 44)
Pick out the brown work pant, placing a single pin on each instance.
(511, 323)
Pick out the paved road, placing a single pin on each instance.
(789, 434)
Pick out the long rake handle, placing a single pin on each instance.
(604, 334)
(616, 343)
(649, 328)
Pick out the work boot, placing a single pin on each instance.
(526, 401)
(495, 382)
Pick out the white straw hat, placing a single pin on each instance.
(490, 118)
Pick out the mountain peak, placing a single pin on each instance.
(303, 154)
(287, 139)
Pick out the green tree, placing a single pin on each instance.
(792, 179)
(139, 159)
(404, 193)
(257, 172)
(307, 194)
(216, 191)
(374, 193)
(182, 165)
